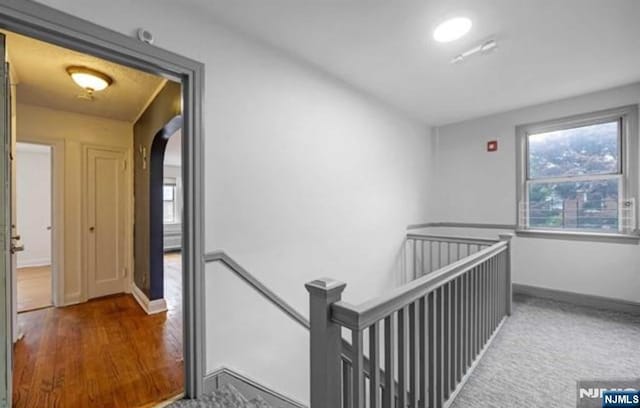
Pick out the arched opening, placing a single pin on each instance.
(156, 206)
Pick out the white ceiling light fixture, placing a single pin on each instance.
(452, 29)
(89, 79)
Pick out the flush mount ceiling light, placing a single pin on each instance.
(452, 29)
(89, 79)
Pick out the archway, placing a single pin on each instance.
(156, 209)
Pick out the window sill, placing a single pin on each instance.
(580, 236)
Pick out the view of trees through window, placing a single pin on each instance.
(574, 177)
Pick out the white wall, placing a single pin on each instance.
(304, 177)
(473, 185)
(33, 204)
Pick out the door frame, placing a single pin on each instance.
(57, 217)
(128, 214)
(48, 24)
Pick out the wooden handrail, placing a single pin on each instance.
(271, 296)
(455, 239)
(358, 317)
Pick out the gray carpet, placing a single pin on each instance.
(544, 348)
(226, 397)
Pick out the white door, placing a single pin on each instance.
(106, 196)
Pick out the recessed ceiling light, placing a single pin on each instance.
(89, 79)
(452, 29)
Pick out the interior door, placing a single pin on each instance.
(106, 218)
(6, 317)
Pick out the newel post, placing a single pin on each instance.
(507, 237)
(326, 343)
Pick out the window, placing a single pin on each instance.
(169, 203)
(575, 173)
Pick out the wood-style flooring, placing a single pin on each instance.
(103, 353)
(34, 288)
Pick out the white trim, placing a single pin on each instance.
(58, 296)
(628, 161)
(32, 263)
(128, 263)
(149, 306)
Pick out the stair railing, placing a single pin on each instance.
(422, 339)
(426, 253)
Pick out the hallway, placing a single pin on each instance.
(544, 348)
(103, 353)
(34, 288)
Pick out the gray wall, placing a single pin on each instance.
(164, 107)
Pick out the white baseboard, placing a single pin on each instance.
(73, 299)
(31, 263)
(149, 306)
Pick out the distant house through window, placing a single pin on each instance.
(169, 197)
(575, 173)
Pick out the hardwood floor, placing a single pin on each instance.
(103, 353)
(34, 288)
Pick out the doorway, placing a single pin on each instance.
(44, 23)
(99, 158)
(106, 213)
(172, 216)
(34, 180)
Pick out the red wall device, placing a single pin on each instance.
(492, 146)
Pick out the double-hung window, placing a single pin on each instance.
(580, 173)
(169, 201)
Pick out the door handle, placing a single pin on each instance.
(16, 248)
(16, 237)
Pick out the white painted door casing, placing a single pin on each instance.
(106, 222)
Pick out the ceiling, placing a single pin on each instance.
(547, 49)
(42, 80)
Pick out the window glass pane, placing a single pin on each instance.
(572, 152)
(169, 212)
(589, 205)
(167, 192)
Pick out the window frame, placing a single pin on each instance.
(627, 117)
(171, 183)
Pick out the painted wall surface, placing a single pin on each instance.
(73, 132)
(165, 106)
(33, 206)
(472, 185)
(304, 177)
